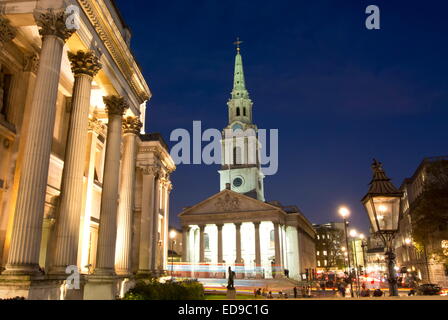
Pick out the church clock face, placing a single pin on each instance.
(238, 182)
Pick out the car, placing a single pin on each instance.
(429, 289)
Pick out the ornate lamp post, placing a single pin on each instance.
(382, 203)
(363, 246)
(354, 234)
(173, 235)
(344, 213)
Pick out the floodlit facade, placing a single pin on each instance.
(236, 227)
(84, 192)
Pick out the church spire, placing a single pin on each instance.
(239, 83)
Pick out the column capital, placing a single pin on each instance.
(31, 63)
(219, 225)
(7, 32)
(84, 62)
(257, 224)
(238, 225)
(115, 105)
(201, 227)
(186, 228)
(96, 125)
(132, 125)
(53, 23)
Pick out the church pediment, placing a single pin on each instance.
(228, 201)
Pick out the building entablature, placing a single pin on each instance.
(98, 31)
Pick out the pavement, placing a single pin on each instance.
(247, 287)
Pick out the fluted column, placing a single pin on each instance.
(238, 243)
(277, 246)
(185, 233)
(154, 241)
(28, 219)
(123, 248)
(148, 198)
(257, 245)
(166, 212)
(201, 243)
(107, 235)
(85, 65)
(220, 255)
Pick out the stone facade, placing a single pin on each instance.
(73, 156)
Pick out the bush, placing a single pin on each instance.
(171, 290)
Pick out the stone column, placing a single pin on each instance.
(107, 235)
(257, 245)
(95, 128)
(123, 248)
(220, 253)
(277, 250)
(185, 242)
(85, 65)
(149, 178)
(166, 212)
(238, 243)
(28, 219)
(154, 241)
(201, 244)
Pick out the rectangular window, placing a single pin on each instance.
(325, 253)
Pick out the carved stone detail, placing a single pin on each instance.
(85, 62)
(7, 32)
(132, 125)
(115, 105)
(31, 63)
(96, 125)
(150, 170)
(53, 23)
(228, 203)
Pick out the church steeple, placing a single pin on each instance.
(240, 153)
(240, 105)
(239, 83)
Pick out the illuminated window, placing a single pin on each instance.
(318, 237)
(317, 253)
(318, 263)
(324, 253)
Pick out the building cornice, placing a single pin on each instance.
(116, 45)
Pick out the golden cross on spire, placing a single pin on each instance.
(237, 43)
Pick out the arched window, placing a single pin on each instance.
(244, 111)
(238, 112)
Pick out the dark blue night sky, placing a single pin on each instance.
(339, 94)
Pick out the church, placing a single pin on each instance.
(237, 227)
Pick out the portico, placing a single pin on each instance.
(256, 239)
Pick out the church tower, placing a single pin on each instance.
(240, 147)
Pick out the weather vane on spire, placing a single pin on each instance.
(237, 43)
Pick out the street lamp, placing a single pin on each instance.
(344, 212)
(363, 246)
(354, 234)
(382, 203)
(173, 235)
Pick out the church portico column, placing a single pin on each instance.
(257, 247)
(238, 243)
(277, 250)
(85, 66)
(220, 247)
(131, 128)
(115, 107)
(201, 243)
(154, 241)
(185, 243)
(149, 177)
(28, 219)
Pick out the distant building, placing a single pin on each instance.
(330, 242)
(426, 191)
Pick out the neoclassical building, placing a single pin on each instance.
(84, 191)
(236, 227)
